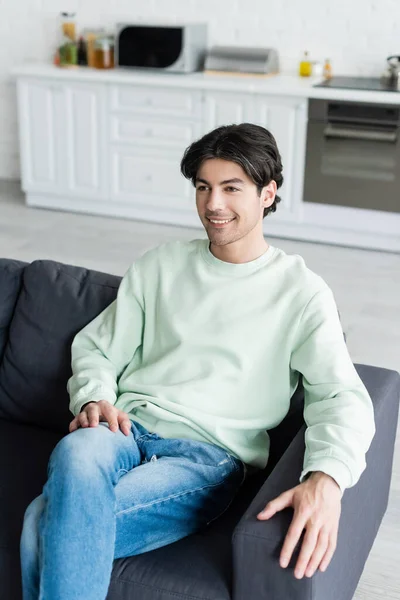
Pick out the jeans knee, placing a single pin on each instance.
(81, 450)
(30, 528)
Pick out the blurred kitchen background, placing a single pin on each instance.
(356, 35)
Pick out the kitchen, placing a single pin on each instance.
(330, 130)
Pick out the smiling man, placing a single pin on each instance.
(176, 383)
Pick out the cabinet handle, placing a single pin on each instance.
(343, 133)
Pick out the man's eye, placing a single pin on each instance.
(201, 188)
(232, 189)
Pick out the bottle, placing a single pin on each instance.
(68, 25)
(327, 73)
(305, 67)
(82, 52)
(67, 47)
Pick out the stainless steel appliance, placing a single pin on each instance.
(360, 83)
(180, 48)
(239, 59)
(353, 155)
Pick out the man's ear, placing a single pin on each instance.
(268, 193)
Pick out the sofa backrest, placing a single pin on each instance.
(49, 302)
(11, 272)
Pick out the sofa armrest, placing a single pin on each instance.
(257, 544)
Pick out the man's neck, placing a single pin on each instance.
(238, 252)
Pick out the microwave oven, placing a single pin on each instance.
(180, 48)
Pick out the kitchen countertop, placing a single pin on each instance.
(280, 85)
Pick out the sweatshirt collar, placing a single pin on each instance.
(235, 269)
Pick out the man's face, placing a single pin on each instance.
(225, 192)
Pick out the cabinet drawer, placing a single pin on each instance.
(156, 101)
(135, 175)
(130, 129)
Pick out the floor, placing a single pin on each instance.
(366, 285)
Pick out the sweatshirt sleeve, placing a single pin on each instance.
(105, 346)
(338, 410)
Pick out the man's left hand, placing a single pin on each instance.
(317, 505)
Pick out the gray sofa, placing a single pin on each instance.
(42, 305)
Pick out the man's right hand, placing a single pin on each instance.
(94, 412)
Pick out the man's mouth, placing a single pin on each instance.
(220, 222)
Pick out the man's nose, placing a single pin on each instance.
(215, 201)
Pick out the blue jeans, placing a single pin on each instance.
(110, 496)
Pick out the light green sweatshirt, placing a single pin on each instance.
(195, 347)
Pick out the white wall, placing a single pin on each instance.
(357, 35)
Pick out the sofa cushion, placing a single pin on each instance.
(24, 454)
(198, 567)
(55, 302)
(10, 283)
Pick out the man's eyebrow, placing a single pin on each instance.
(234, 180)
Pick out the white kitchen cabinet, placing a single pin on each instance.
(150, 129)
(86, 128)
(62, 138)
(225, 108)
(156, 101)
(150, 181)
(41, 128)
(286, 118)
(152, 133)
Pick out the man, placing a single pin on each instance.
(177, 381)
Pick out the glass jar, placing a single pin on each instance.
(68, 54)
(91, 35)
(104, 53)
(68, 25)
(327, 69)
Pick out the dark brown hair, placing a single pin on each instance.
(251, 146)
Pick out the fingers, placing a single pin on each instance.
(124, 422)
(318, 554)
(317, 511)
(73, 426)
(83, 419)
(317, 549)
(102, 410)
(111, 415)
(88, 417)
(92, 413)
(279, 503)
(292, 537)
(329, 553)
(117, 419)
(308, 548)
